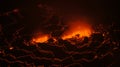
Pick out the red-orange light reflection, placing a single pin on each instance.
(40, 38)
(79, 28)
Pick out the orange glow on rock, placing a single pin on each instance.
(40, 38)
(77, 28)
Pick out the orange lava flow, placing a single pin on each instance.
(40, 38)
(77, 28)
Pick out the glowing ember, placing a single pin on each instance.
(40, 38)
(77, 28)
(11, 48)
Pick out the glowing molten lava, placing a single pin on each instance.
(40, 38)
(77, 28)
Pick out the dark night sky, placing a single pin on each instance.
(101, 10)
